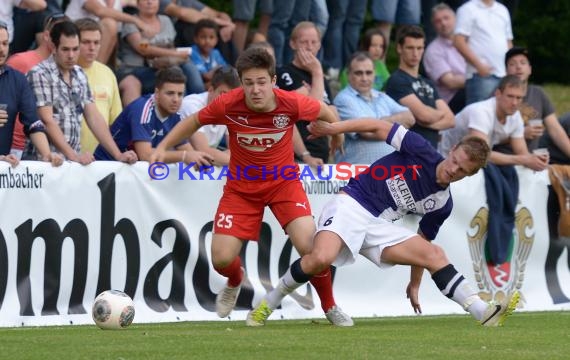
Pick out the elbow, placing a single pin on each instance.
(409, 120)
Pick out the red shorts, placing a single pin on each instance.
(240, 212)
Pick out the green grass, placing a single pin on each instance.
(537, 335)
(560, 96)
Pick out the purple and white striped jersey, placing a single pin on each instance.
(404, 182)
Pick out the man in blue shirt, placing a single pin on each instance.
(360, 100)
(412, 180)
(16, 98)
(147, 120)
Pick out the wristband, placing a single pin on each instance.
(184, 156)
(304, 153)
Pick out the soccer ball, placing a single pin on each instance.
(113, 309)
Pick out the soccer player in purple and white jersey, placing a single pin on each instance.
(359, 220)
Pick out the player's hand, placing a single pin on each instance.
(412, 292)
(320, 128)
(11, 159)
(129, 157)
(312, 161)
(337, 144)
(200, 159)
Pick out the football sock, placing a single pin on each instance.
(453, 285)
(323, 285)
(233, 272)
(289, 282)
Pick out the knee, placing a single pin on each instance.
(435, 258)
(109, 25)
(315, 262)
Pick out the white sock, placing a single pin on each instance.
(285, 287)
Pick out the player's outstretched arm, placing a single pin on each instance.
(380, 127)
(183, 130)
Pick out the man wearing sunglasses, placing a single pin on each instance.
(16, 99)
(360, 100)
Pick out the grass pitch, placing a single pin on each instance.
(538, 335)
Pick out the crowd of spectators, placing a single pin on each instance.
(86, 60)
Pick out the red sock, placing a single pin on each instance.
(232, 272)
(323, 285)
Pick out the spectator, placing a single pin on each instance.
(536, 107)
(374, 43)
(29, 26)
(188, 12)
(110, 15)
(62, 97)
(388, 12)
(102, 80)
(244, 11)
(208, 137)
(497, 120)
(416, 92)
(442, 62)
(16, 99)
(142, 56)
(7, 11)
(305, 75)
(343, 31)
(204, 53)
(147, 120)
(483, 35)
(24, 62)
(286, 14)
(557, 155)
(360, 100)
(319, 15)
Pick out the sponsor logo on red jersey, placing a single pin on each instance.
(259, 142)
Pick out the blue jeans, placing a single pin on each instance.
(319, 15)
(345, 22)
(286, 14)
(194, 82)
(396, 11)
(480, 88)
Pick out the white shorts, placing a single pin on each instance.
(361, 232)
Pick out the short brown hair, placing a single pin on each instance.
(412, 31)
(509, 81)
(171, 74)
(87, 24)
(255, 58)
(304, 25)
(225, 75)
(476, 149)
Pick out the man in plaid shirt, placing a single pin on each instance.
(62, 96)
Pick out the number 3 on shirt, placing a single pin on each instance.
(224, 221)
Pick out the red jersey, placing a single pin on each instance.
(261, 143)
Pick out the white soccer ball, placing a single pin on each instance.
(113, 309)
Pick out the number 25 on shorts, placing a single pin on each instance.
(224, 221)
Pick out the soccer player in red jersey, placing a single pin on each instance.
(260, 121)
